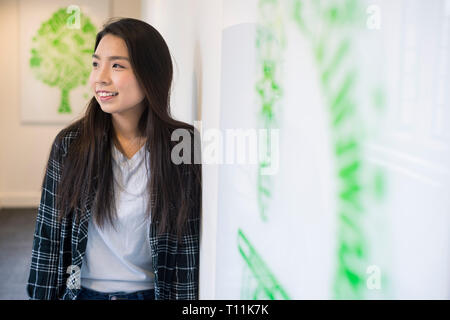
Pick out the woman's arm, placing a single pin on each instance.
(187, 266)
(42, 281)
(186, 284)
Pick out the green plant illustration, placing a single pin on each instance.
(61, 55)
(270, 43)
(330, 27)
(260, 283)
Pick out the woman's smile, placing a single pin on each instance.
(106, 97)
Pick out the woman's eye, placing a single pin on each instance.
(94, 64)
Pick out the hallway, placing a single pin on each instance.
(16, 239)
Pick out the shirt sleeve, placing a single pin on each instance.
(42, 281)
(187, 265)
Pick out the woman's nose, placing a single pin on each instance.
(102, 75)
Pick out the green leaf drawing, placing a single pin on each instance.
(61, 54)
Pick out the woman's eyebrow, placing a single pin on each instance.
(111, 57)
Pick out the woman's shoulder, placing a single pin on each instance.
(66, 136)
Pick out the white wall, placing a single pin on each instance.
(24, 149)
(175, 21)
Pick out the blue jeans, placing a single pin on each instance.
(88, 294)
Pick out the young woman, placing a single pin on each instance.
(118, 219)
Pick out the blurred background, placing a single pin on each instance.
(348, 102)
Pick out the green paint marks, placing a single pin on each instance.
(346, 146)
(262, 284)
(352, 256)
(61, 56)
(270, 43)
(343, 91)
(333, 50)
(339, 55)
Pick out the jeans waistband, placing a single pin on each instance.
(88, 294)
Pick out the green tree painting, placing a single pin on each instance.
(61, 53)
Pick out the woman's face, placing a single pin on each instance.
(112, 72)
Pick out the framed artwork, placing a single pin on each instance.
(56, 44)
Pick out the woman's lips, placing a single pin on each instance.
(107, 98)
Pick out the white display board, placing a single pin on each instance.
(358, 206)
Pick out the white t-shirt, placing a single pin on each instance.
(121, 260)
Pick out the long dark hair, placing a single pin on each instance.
(174, 190)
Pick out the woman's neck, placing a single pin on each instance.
(126, 123)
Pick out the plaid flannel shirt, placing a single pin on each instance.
(59, 248)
